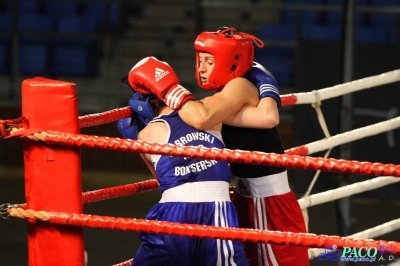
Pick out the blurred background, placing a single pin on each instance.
(309, 45)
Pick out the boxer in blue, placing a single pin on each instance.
(193, 191)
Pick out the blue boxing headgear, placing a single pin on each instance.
(140, 104)
(142, 115)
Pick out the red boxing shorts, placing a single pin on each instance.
(267, 203)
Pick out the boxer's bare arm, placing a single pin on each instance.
(236, 94)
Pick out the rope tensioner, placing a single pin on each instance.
(4, 209)
(7, 125)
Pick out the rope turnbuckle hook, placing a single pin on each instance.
(4, 209)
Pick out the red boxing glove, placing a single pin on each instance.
(150, 75)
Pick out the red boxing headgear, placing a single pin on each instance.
(233, 52)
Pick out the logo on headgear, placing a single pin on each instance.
(200, 43)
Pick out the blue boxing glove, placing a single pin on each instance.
(130, 127)
(127, 129)
(264, 82)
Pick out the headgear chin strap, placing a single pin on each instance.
(233, 52)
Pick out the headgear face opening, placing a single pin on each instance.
(233, 53)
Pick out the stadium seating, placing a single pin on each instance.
(280, 66)
(33, 59)
(321, 33)
(277, 32)
(5, 43)
(372, 34)
(70, 61)
(4, 58)
(97, 11)
(34, 43)
(28, 7)
(79, 43)
(58, 9)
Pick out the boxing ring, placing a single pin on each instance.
(54, 211)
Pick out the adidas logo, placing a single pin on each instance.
(242, 189)
(160, 73)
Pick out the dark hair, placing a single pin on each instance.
(156, 104)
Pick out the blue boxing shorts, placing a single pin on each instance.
(191, 208)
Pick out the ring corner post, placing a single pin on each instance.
(52, 173)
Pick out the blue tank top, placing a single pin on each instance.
(174, 171)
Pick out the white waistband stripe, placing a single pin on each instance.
(207, 191)
(264, 186)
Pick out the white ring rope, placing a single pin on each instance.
(348, 87)
(334, 194)
(378, 230)
(352, 135)
(366, 234)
